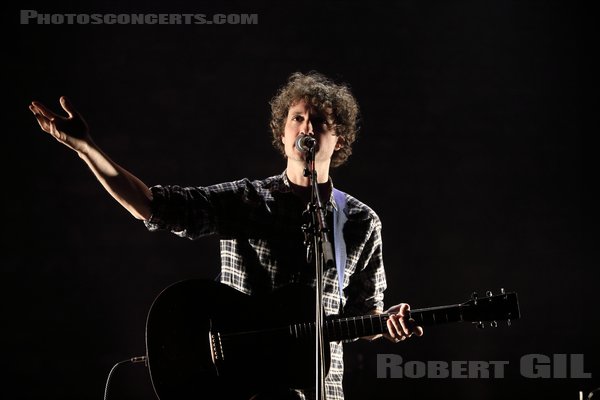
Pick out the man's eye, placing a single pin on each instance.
(297, 118)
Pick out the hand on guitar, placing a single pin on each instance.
(399, 326)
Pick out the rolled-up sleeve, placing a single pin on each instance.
(185, 211)
(193, 212)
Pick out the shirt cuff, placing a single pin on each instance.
(156, 222)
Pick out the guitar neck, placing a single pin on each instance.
(373, 324)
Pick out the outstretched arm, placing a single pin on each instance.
(73, 132)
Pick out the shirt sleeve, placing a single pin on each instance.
(193, 212)
(367, 285)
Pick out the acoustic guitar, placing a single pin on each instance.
(205, 337)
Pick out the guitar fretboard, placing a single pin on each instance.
(373, 324)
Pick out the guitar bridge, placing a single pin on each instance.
(216, 347)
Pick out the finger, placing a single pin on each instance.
(405, 326)
(404, 310)
(68, 107)
(44, 111)
(414, 328)
(35, 107)
(38, 118)
(394, 328)
(418, 330)
(43, 122)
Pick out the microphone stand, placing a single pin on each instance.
(323, 251)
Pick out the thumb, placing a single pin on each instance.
(68, 107)
(393, 309)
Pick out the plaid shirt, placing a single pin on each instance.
(259, 223)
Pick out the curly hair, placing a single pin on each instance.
(331, 99)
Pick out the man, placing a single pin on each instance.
(259, 222)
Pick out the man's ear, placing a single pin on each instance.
(340, 143)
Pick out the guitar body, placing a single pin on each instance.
(205, 337)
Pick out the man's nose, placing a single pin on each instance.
(307, 128)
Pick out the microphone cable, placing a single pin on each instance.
(133, 360)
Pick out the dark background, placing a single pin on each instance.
(470, 152)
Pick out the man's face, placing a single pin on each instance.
(302, 119)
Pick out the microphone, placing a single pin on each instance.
(305, 143)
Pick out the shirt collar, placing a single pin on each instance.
(285, 188)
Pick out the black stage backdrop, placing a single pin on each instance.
(470, 152)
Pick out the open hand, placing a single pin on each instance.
(71, 131)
